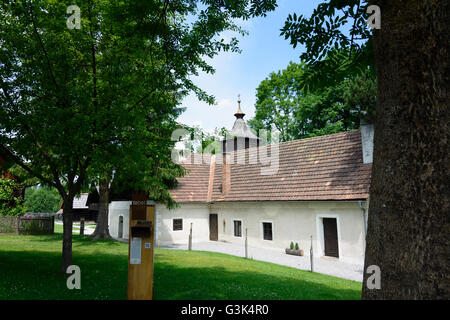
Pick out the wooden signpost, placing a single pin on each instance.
(141, 248)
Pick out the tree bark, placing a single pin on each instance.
(408, 226)
(102, 228)
(67, 233)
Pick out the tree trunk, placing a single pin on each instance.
(408, 228)
(67, 233)
(102, 228)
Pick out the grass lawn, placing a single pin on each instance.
(29, 269)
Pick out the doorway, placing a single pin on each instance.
(330, 236)
(213, 227)
(120, 233)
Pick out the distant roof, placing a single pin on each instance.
(194, 186)
(81, 201)
(4, 172)
(320, 168)
(240, 129)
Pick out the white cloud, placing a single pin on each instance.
(224, 103)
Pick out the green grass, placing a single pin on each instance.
(29, 269)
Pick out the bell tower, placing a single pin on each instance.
(241, 137)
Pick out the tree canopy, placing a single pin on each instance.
(283, 102)
(408, 226)
(42, 200)
(11, 201)
(77, 101)
(337, 39)
(334, 85)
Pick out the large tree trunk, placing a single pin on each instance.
(408, 228)
(102, 228)
(67, 233)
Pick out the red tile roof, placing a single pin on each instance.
(320, 168)
(4, 172)
(194, 186)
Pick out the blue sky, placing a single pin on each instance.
(263, 51)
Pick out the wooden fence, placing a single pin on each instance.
(28, 224)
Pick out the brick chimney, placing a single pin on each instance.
(367, 131)
(226, 174)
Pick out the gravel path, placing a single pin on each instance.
(76, 228)
(325, 265)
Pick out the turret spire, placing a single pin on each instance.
(239, 114)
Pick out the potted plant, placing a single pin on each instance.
(294, 250)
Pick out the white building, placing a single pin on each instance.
(289, 192)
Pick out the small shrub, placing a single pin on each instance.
(292, 245)
(296, 246)
(11, 202)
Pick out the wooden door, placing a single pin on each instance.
(330, 237)
(120, 233)
(213, 227)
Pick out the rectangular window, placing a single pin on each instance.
(267, 230)
(177, 224)
(237, 228)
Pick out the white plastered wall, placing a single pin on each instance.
(296, 222)
(117, 209)
(293, 221)
(197, 214)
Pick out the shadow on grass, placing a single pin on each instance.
(177, 275)
(205, 283)
(84, 240)
(32, 275)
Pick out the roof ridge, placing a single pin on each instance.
(338, 173)
(284, 143)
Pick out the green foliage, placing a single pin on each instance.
(322, 32)
(291, 246)
(179, 274)
(338, 42)
(338, 79)
(277, 98)
(296, 246)
(76, 103)
(213, 140)
(11, 202)
(42, 199)
(283, 102)
(25, 178)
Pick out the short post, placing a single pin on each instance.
(246, 244)
(190, 238)
(311, 256)
(17, 224)
(82, 225)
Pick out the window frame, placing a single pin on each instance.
(234, 228)
(173, 224)
(271, 229)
